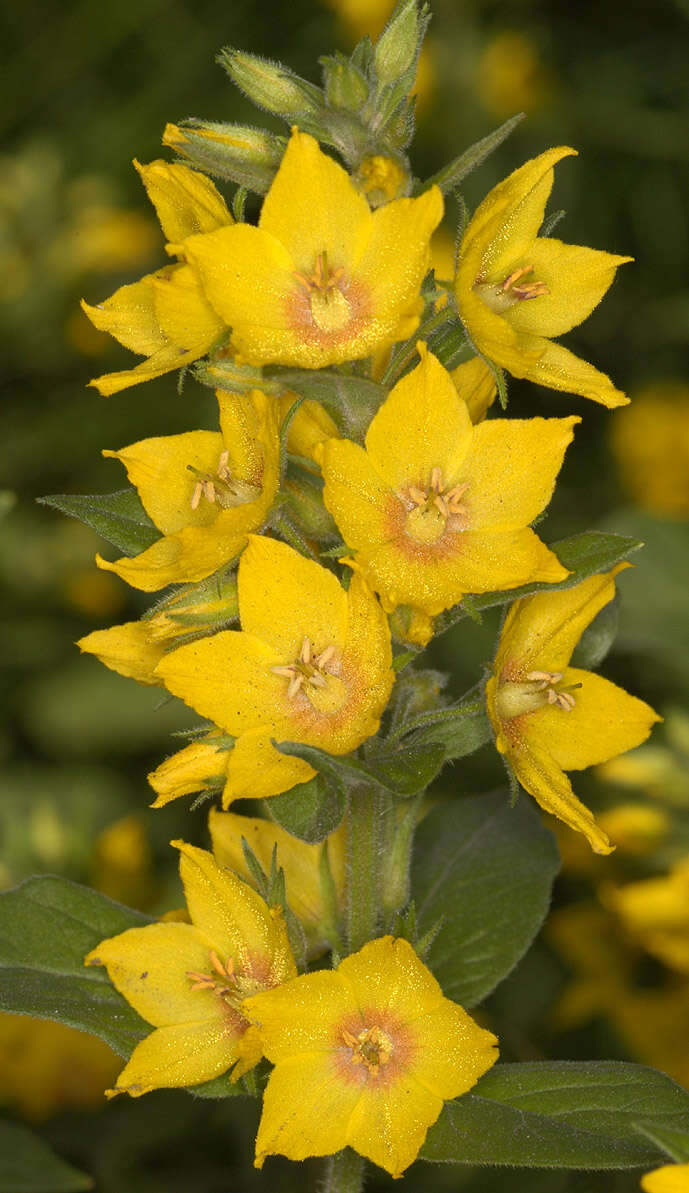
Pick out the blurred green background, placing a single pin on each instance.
(87, 87)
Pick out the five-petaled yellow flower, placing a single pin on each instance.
(312, 664)
(322, 279)
(516, 289)
(549, 717)
(189, 979)
(435, 507)
(205, 491)
(165, 316)
(365, 1055)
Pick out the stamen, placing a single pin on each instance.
(528, 289)
(221, 487)
(308, 670)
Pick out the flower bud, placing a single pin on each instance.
(247, 156)
(270, 84)
(398, 46)
(345, 86)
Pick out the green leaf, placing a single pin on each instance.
(559, 1115)
(460, 730)
(402, 770)
(47, 925)
(452, 174)
(28, 1165)
(485, 870)
(584, 555)
(120, 518)
(598, 637)
(671, 1139)
(310, 811)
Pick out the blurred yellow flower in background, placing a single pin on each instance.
(650, 443)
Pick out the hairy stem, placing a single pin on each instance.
(344, 1173)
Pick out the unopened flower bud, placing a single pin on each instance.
(270, 84)
(397, 47)
(345, 86)
(247, 156)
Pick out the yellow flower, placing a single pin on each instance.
(650, 442)
(476, 383)
(322, 279)
(671, 1178)
(365, 1056)
(299, 861)
(515, 289)
(548, 717)
(46, 1067)
(434, 507)
(311, 664)
(165, 316)
(655, 912)
(189, 979)
(204, 490)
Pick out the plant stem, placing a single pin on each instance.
(344, 1173)
(365, 827)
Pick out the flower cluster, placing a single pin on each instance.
(356, 497)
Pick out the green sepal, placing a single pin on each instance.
(583, 554)
(560, 1114)
(403, 770)
(485, 870)
(119, 517)
(29, 1165)
(310, 811)
(47, 926)
(455, 171)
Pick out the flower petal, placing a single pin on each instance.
(163, 471)
(305, 1110)
(397, 255)
(186, 202)
(228, 679)
(127, 649)
(671, 1178)
(389, 1124)
(192, 554)
(556, 367)
(576, 277)
(285, 598)
(512, 469)
(248, 278)
(605, 721)
(541, 631)
(180, 1055)
(508, 220)
(544, 779)
(313, 206)
(235, 919)
(129, 314)
(355, 493)
(184, 315)
(301, 1017)
(422, 425)
(149, 967)
(255, 769)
